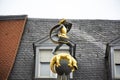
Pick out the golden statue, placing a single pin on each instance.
(58, 35)
(62, 63)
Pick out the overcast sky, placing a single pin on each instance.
(69, 9)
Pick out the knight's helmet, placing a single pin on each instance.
(62, 21)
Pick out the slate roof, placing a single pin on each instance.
(91, 37)
(11, 29)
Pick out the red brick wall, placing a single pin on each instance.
(10, 36)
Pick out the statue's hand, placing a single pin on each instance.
(57, 64)
(70, 65)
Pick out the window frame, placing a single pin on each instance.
(37, 62)
(113, 64)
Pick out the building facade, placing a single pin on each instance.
(91, 37)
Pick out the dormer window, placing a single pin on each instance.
(117, 63)
(43, 55)
(113, 59)
(42, 61)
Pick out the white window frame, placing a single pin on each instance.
(113, 64)
(37, 62)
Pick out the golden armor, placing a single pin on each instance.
(63, 32)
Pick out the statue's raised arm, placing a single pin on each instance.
(63, 27)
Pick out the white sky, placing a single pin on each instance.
(69, 9)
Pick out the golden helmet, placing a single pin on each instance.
(61, 21)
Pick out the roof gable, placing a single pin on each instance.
(45, 41)
(115, 42)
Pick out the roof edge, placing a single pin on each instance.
(41, 40)
(12, 17)
(113, 42)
